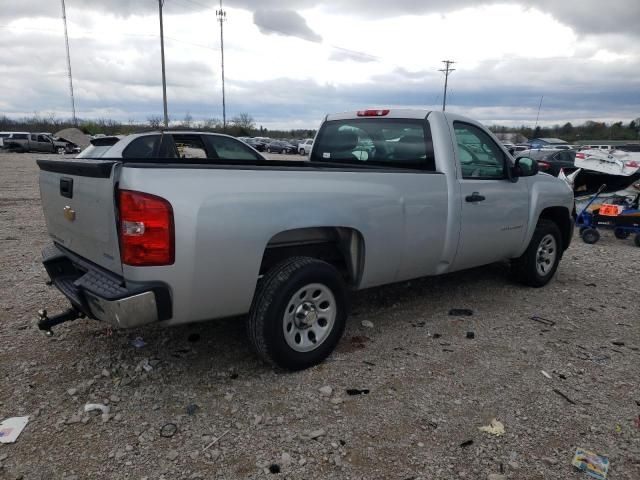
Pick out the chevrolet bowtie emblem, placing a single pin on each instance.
(69, 213)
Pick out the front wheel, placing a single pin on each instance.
(298, 314)
(539, 262)
(302, 152)
(590, 236)
(268, 150)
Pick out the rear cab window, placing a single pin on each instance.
(382, 142)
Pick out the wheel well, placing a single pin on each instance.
(342, 247)
(562, 218)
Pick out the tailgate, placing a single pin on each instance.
(79, 208)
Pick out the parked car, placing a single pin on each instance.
(552, 160)
(8, 136)
(37, 142)
(145, 235)
(304, 147)
(280, 146)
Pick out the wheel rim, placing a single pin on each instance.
(309, 317)
(546, 255)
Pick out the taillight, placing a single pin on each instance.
(631, 164)
(373, 113)
(543, 165)
(146, 230)
(581, 156)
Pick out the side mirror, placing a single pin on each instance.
(525, 167)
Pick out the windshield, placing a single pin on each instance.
(402, 143)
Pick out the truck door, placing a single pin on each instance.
(44, 144)
(494, 209)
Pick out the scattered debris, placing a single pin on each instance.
(90, 407)
(11, 428)
(617, 343)
(366, 324)
(192, 408)
(356, 391)
(564, 396)
(460, 312)
(367, 362)
(546, 374)
(138, 342)
(325, 391)
(274, 468)
(193, 338)
(168, 430)
(317, 433)
(494, 428)
(591, 463)
(544, 321)
(215, 441)
(471, 335)
(590, 285)
(436, 335)
(466, 443)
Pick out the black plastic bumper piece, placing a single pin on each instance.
(80, 280)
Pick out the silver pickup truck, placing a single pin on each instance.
(177, 227)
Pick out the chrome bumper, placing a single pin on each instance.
(126, 312)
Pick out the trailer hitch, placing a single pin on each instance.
(46, 323)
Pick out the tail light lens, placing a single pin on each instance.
(146, 230)
(580, 156)
(543, 165)
(631, 164)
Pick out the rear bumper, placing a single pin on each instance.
(101, 295)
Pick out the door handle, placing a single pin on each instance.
(474, 197)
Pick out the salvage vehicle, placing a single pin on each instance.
(305, 146)
(37, 142)
(144, 235)
(552, 160)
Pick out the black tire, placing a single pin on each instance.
(525, 268)
(590, 236)
(302, 152)
(621, 234)
(636, 239)
(582, 229)
(268, 150)
(265, 327)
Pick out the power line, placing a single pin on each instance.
(447, 71)
(66, 39)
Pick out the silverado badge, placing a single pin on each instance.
(69, 213)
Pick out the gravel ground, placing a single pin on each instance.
(429, 387)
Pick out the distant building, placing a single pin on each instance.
(546, 142)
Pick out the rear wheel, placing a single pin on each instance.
(621, 233)
(590, 236)
(539, 262)
(268, 150)
(298, 314)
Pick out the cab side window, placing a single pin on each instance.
(227, 148)
(480, 157)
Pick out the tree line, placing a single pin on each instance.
(589, 130)
(245, 125)
(242, 125)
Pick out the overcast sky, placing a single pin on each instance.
(289, 62)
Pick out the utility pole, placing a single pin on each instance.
(446, 70)
(66, 39)
(538, 115)
(222, 17)
(164, 78)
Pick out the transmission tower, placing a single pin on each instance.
(66, 39)
(446, 70)
(222, 17)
